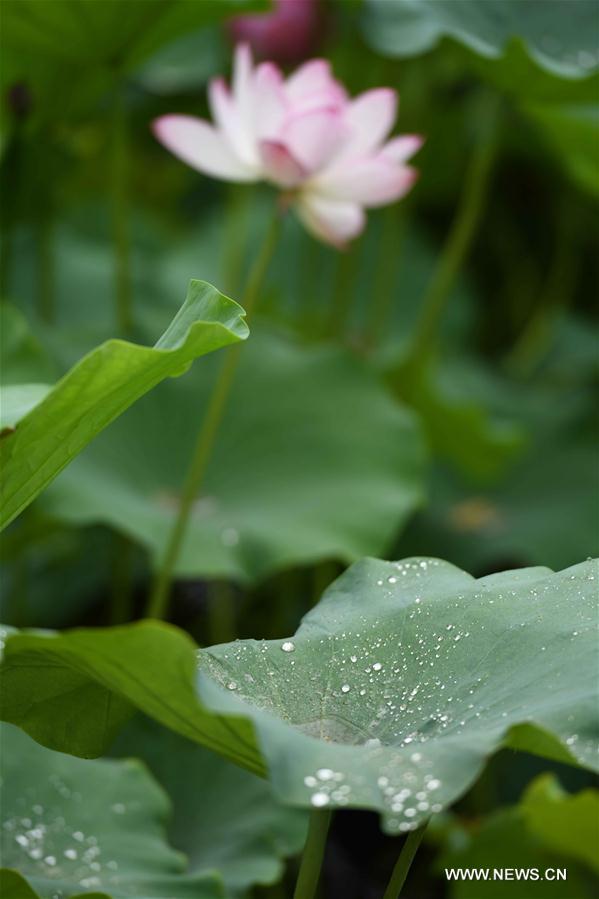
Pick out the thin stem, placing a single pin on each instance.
(459, 239)
(159, 597)
(402, 866)
(237, 225)
(119, 177)
(313, 854)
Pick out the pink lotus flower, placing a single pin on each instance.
(329, 153)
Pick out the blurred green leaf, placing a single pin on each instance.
(71, 826)
(246, 834)
(67, 53)
(101, 386)
(519, 76)
(567, 824)
(313, 460)
(458, 426)
(114, 32)
(559, 39)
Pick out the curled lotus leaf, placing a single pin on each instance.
(408, 675)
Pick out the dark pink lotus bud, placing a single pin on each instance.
(289, 34)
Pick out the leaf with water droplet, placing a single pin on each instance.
(71, 826)
(408, 675)
(95, 391)
(422, 713)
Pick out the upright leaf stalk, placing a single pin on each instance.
(459, 239)
(404, 862)
(159, 596)
(313, 854)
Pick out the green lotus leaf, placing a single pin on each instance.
(73, 691)
(314, 459)
(392, 694)
(458, 426)
(35, 448)
(555, 38)
(408, 675)
(119, 33)
(547, 830)
(245, 851)
(568, 824)
(70, 826)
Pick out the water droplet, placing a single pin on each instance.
(319, 799)
(345, 688)
(288, 646)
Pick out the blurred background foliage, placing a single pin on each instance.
(356, 426)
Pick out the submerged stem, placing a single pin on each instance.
(159, 597)
(119, 177)
(402, 866)
(313, 854)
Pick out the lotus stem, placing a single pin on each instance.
(459, 240)
(313, 854)
(404, 862)
(160, 593)
(236, 240)
(119, 176)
